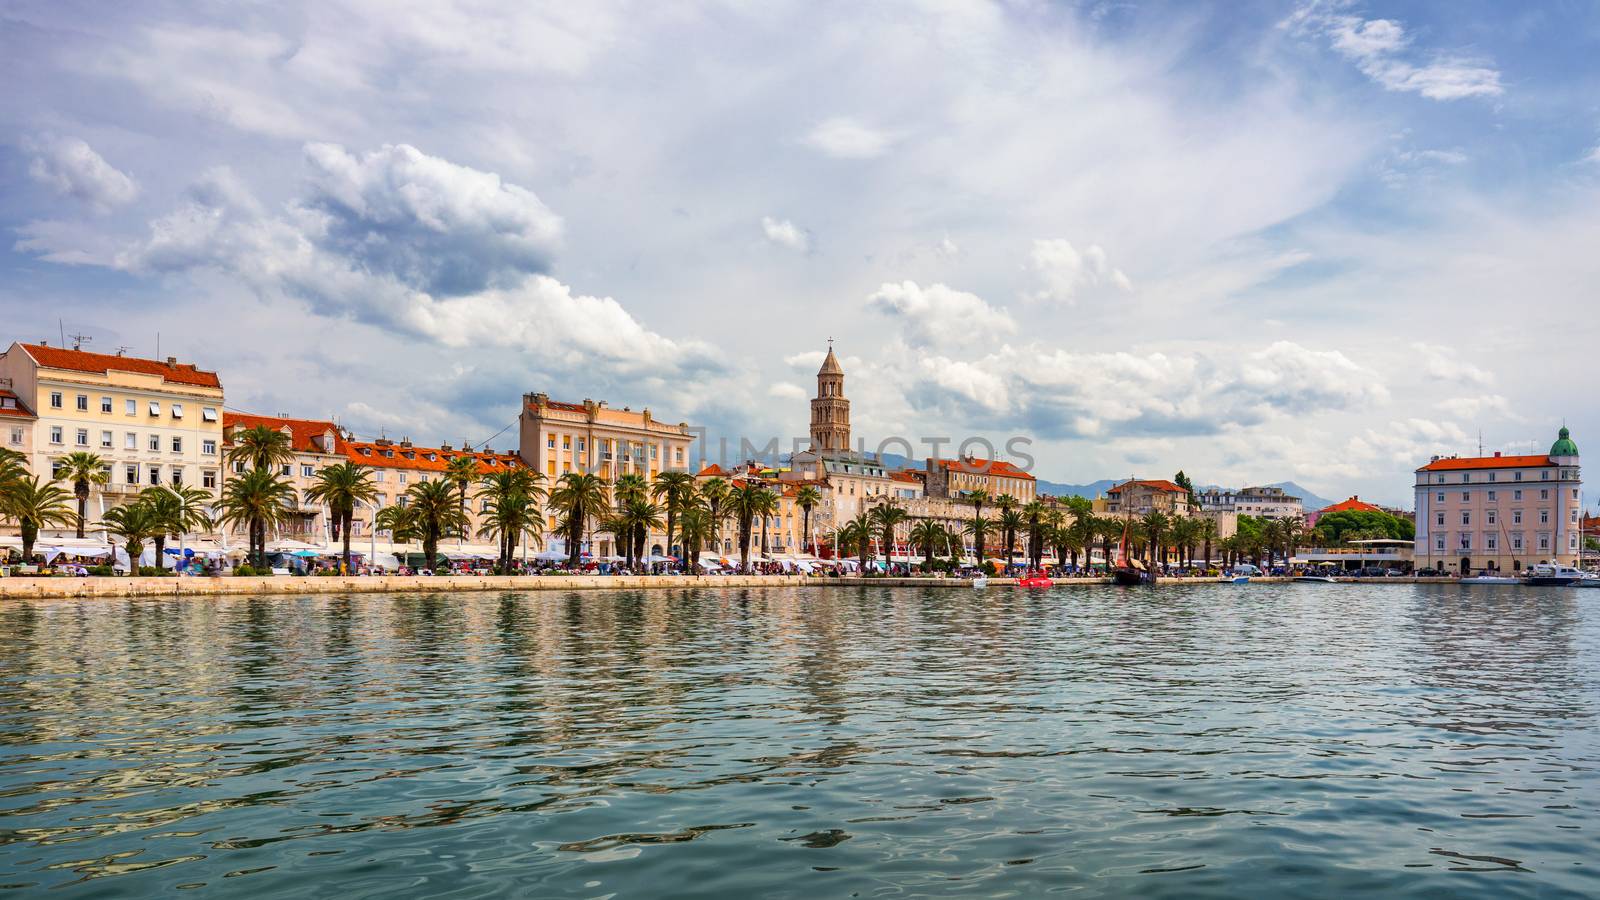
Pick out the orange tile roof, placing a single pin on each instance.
(18, 409)
(102, 363)
(1158, 484)
(976, 466)
(903, 475)
(369, 453)
(1354, 504)
(1485, 462)
(301, 431)
(712, 471)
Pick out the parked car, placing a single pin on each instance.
(1372, 572)
(1429, 573)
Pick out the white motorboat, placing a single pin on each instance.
(1490, 579)
(981, 582)
(1551, 575)
(1316, 579)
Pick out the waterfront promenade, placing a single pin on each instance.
(54, 587)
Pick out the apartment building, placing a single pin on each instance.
(316, 443)
(151, 422)
(1500, 513)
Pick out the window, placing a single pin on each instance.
(177, 476)
(1466, 542)
(177, 410)
(1516, 495)
(566, 443)
(1516, 517)
(1544, 542)
(130, 441)
(83, 437)
(1544, 494)
(208, 479)
(16, 436)
(379, 476)
(238, 467)
(105, 405)
(1544, 517)
(1439, 518)
(130, 474)
(1441, 479)
(550, 442)
(1491, 542)
(83, 403)
(1574, 493)
(285, 469)
(105, 440)
(583, 445)
(155, 442)
(1466, 518)
(55, 399)
(307, 472)
(1466, 477)
(55, 469)
(1491, 496)
(1544, 475)
(1491, 517)
(1441, 496)
(1466, 497)
(1491, 476)
(208, 414)
(422, 478)
(550, 467)
(155, 408)
(208, 447)
(1516, 476)
(404, 500)
(155, 474)
(130, 407)
(403, 481)
(177, 444)
(1516, 542)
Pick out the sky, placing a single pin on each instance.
(1256, 241)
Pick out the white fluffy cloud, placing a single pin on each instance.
(1377, 47)
(785, 233)
(939, 316)
(1061, 271)
(72, 168)
(1443, 364)
(845, 138)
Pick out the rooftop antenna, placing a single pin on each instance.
(78, 340)
(1480, 442)
(122, 349)
(63, 330)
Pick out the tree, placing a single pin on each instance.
(579, 497)
(461, 471)
(134, 523)
(260, 447)
(340, 487)
(398, 521)
(807, 498)
(714, 494)
(1155, 524)
(513, 500)
(978, 529)
(633, 517)
(767, 510)
(1033, 514)
(674, 489)
(1185, 531)
(695, 529)
(627, 489)
(745, 502)
(82, 470)
(435, 513)
(177, 510)
(886, 516)
(977, 498)
(1208, 533)
(259, 498)
(1011, 521)
(858, 532)
(1109, 529)
(927, 534)
(33, 503)
(1336, 526)
(1183, 481)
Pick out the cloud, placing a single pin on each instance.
(1593, 156)
(447, 228)
(1376, 47)
(784, 390)
(1062, 271)
(938, 315)
(72, 168)
(845, 138)
(785, 233)
(1442, 364)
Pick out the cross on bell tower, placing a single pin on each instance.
(830, 411)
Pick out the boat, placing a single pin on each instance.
(1035, 581)
(981, 582)
(1316, 579)
(1129, 572)
(1235, 579)
(1490, 579)
(1550, 575)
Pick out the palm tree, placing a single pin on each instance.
(1183, 531)
(398, 521)
(927, 534)
(513, 499)
(886, 516)
(674, 488)
(714, 494)
(745, 502)
(636, 517)
(858, 531)
(32, 503)
(694, 529)
(807, 498)
(134, 524)
(1034, 514)
(1011, 521)
(1155, 524)
(178, 510)
(436, 511)
(767, 509)
(340, 487)
(978, 529)
(258, 498)
(82, 469)
(260, 447)
(626, 489)
(462, 471)
(1108, 529)
(580, 497)
(1208, 533)
(977, 499)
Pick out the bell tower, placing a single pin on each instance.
(830, 411)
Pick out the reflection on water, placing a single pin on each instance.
(1207, 740)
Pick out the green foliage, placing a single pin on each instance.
(1348, 525)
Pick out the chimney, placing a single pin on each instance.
(405, 443)
(172, 360)
(1497, 454)
(445, 447)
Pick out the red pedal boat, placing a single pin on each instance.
(1035, 581)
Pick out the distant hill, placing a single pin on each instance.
(1094, 489)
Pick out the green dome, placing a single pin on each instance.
(1564, 445)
